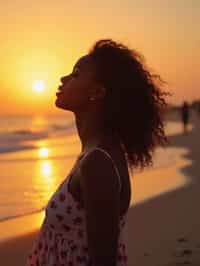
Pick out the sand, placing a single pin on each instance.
(164, 230)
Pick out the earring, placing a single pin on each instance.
(91, 98)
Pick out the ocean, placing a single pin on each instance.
(37, 153)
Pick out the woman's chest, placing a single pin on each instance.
(62, 212)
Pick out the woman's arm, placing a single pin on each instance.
(100, 191)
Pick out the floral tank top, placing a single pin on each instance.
(62, 239)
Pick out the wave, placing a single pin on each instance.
(16, 140)
(28, 159)
(3, 219)
(15, 148)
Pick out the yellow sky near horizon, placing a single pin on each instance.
(43, 40)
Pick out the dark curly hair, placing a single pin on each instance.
(134, 104)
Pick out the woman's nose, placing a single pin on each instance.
(63, 79)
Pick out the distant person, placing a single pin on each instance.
(198, 109)
(185, 115)
(118, 110)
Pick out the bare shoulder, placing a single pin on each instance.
(100, 193)
(99, 181)
(98, 170)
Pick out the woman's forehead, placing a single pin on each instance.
(85, 62)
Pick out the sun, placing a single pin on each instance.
(39, 85)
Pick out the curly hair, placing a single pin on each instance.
(134, 104)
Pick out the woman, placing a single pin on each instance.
(118, 109)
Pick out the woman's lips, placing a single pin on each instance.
(60, 90)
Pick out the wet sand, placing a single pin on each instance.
(166, 229)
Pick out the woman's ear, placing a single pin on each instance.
(101, 92)
(98, 92)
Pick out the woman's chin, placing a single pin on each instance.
(61, 105)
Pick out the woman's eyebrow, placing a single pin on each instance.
(77, 66)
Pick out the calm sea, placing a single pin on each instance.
(36, 154)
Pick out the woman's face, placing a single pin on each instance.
(77, 87)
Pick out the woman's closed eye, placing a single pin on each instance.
(75, 73)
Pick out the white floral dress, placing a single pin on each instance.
(62, 239)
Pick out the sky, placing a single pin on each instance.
(42, 40)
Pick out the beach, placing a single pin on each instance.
(163, 223)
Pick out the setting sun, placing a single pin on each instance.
(39, 85)
(43, 152)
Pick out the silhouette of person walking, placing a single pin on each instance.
(185, 115)
(198, 109)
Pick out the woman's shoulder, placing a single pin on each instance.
(104, 162)
(105, 166)
(100, 156)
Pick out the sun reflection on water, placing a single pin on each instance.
(46, 178)
(46, 168)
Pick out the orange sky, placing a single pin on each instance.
(41, 40)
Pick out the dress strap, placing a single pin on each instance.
(108, 155)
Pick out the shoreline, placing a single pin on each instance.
(158, 230)
(164, 231)
(25, 224)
